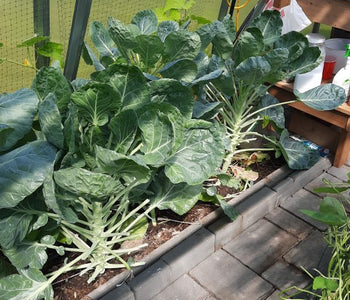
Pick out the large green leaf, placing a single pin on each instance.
(294, 41)
(84, 183)
(324, 283)
(323, 97)
(122, 36)
(131, 87)
(277, 58)
(199, 155)
(54, 202)
(146, 21)
(250, 43)
(180, 198)
(166, 27)
(90, 58)
(121, 166)
(270, 24)
(16, 114)
(274, 113)
(331, 212)
(23, 170)
(173, 92)
(30, 284)
(306, 62)
(96, 102)
(150, 49)
(183, 70)
(297, 155)
(206, 110)
(52, 50)
(14, 227)
(181, 44)
(51, 80)
(222, 41)
(253, 70)
(27, 254)
(102, 40)
(50, 121)
(206, 34)
(162, 132)
(124, 128)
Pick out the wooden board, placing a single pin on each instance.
(281, 3)
(313, 130)
(335, 13)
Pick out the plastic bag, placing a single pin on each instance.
(294, 18)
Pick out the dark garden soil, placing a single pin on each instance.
(73, 286)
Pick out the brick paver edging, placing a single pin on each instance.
(211, 233)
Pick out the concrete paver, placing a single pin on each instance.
(151, 281)
(274, 296)
(228, 279)
(122, 292)
(185, 288)
(303, 199)
(225, 230)
(310, 253)
(341, 173)
(190, 252)
(289, 223)
(257, 206)
(260, 245)
(283, 275)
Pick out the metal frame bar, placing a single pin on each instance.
(76, 39)
(223, 10)
(41, 12)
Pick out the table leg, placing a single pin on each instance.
(343, 149)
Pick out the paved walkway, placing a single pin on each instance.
(255, 257)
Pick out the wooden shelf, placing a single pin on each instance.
(335, 13)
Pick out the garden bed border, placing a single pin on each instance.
(252, 204)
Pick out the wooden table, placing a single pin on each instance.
(335, 13)
(338, 140)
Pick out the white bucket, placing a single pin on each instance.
(336, 47)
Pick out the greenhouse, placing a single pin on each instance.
(175, 150)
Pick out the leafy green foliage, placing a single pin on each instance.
(17, 115)
(261, 56)
(179, 11)
(331, 212)
(335, 284)
(158, 50)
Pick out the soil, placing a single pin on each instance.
(73, 286)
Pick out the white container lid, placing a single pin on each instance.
(315, 38)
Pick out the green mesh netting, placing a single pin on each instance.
(16, 25)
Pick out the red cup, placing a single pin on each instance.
(328, 67)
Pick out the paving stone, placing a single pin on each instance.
(274, 296)
(190, 252)
(151, 281)
(257, 206)
(122, 292)
(303, 199)
(283, 275)
(341, 173)
(228, 279)
(185, 288)
(225, 230)
(260, 245)
(317, 182)
(297, 180)
(289, 223)
(277, 176)
(310, 253)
